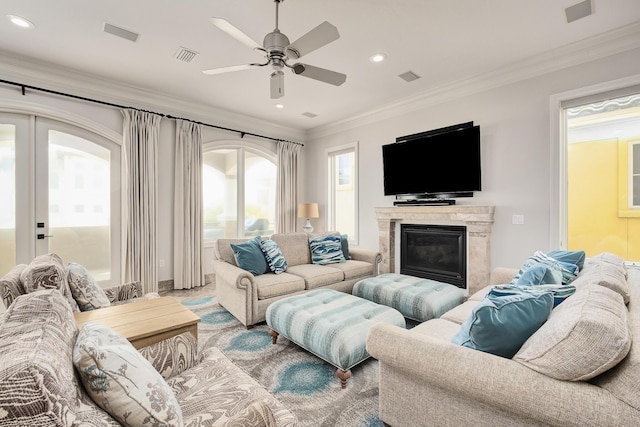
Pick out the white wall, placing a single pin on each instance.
(515, 143)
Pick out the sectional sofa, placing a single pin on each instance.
(579, 368)
(247, 295)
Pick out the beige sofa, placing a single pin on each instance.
(247, 296)
(425, 380)
(40, 380)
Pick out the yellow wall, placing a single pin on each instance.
(598, 219)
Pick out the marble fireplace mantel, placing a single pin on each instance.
(478, 220)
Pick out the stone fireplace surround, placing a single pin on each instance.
(478, 220)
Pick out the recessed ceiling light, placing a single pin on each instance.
(279, 106)
(20, 21)
(377, 57)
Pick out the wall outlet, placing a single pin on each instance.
(161, 263)
(517, 219)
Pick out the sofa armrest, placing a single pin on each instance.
(124, 292)
(233, 274)
(492, 380)
(174, 355)
(372, 257)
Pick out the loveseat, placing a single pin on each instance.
(579, 368)
(52, 374)
(49, 271)
(247, 296)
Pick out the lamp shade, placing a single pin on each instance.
(308, 210)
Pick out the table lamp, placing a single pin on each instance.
(308, 210)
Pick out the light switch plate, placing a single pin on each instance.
(517, 219)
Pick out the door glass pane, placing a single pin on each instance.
(7, 198)
(259, 195)
(219, 186)
(603, 210)
(344, 193)
(79, 202)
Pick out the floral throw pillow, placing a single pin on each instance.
(121, 381)
(273, 254)
(85, 290)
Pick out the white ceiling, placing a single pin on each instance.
(443, 41)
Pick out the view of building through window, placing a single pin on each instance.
(343, 192)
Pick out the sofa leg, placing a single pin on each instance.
(344, 376)
(274, 336)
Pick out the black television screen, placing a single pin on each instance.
(434, 163)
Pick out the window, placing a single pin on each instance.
(343, 190)
(239, 192)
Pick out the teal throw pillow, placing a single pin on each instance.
(344, 242)
(275, 259)
(569, 271)
(249, 256)
(500, 325)
(541, 274)
(560, 292)
(570, 257)
(326, 249)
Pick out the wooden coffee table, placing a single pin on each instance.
(145, 322)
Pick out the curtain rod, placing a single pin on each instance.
(24, 87)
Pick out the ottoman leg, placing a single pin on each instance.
(344, 376)
(274, 336)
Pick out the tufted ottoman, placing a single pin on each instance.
(330, 324)
(416, 298)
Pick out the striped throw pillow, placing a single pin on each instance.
(326, 249)
(273, 254)
(560, 292)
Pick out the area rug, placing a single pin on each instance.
(307, 385)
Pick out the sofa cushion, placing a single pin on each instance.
(500, 325)
(37, 334)
(248, 256)
(274, 256)
(294, 247)
(258, 414)
(461, 313)
(353, 269)
(272, 285)
(121, 381)
(11, 286)
(604, 274)
(47, 272)
(326, 249)
(571, 257)
(316, 276)
(584, 336)
(609, 258)
(85, 290)
(437, 328)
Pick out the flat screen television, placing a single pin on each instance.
(443, 163)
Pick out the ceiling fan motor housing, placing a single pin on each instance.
(275, 42)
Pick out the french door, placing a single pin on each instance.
(60, 192)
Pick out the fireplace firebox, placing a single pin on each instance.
(437, 252)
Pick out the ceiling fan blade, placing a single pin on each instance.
(234, 32)
(277, 84)
(231, 68)
(320, 74)
(321, 35)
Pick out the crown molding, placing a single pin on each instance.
(616, 41)
(52, 77)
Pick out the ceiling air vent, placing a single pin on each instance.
(578, 11)
(310, 115)
(185, 55)
(120, 32)
(409, 76)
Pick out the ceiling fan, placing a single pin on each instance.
(278, 51)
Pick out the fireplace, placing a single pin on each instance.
(437, 252)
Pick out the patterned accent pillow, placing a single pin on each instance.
(326, 249)
(47, 272)
(85, 290)
(569, 271)
(344, 240)
(121, 381)
(560, 292)
(273, 254)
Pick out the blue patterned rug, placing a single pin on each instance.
(307, 385)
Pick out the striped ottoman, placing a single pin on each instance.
(330, 324)
(416, 298)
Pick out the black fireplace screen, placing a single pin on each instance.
(437, 252)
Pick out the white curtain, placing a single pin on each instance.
(187, 211)
(287, 187)
(141, 133)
